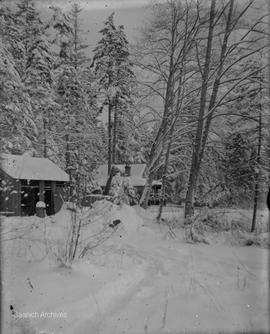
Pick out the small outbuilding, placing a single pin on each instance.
(136, 176)
(25, 180)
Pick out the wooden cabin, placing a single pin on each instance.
(136, 175)
(25, 180)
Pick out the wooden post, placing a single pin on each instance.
(16, 198)
(41, 191)
(19, 189)
(53, 198)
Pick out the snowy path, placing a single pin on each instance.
(192, 288)
(180, 287)
(145, 285)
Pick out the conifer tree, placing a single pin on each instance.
(17, 125)
(35, 64)
(78, 126)
(113, 70)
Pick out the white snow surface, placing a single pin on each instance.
(31, 168)
(137, 280)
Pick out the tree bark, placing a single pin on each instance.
(257, 174)
(164, 177)
(114, 135)
(110, 109)
(67, 154)
(161, 131)
(146, 192)
(68, 165)
(216, 85)
(213, 99)
(149, 171)
(75, 12)
(44, 138)
(109, 180)
(177, 112)
(197, 145)
(167, 110)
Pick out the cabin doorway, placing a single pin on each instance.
(48, 199)
(29, 199)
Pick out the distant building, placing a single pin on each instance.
(136, 175)
(25, 180)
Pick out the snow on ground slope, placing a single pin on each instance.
(139, 280)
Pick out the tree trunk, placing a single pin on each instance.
(216, 85)
(164, 176)
(178, 109)
(255, 203)
(114, 135)
(146, 191)
(169, 96)
(149, 171)
(68, 163)
(197, 145)
(109, 181)
(44, 138)
(215, 89)
(159, 137)
(67, 154)
(110, 109)
(257, 175)
(76, 11)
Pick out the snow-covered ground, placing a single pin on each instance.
(142, 278)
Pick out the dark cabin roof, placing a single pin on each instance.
(31, 168)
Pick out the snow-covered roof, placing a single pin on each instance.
(135, 170)
(31, 168)
(136, 177)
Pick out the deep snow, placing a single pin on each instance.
(139, 280)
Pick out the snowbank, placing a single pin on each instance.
(131, 279)
(35, 238)
(111, 269)
(219, 226)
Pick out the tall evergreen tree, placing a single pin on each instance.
(29, 47)
(77, 124)
(239, 165)
(17, 122)
(113, 70)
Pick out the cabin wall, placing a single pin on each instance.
(10, 195)
(12, 199)
(30, 190)
(49, 192)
